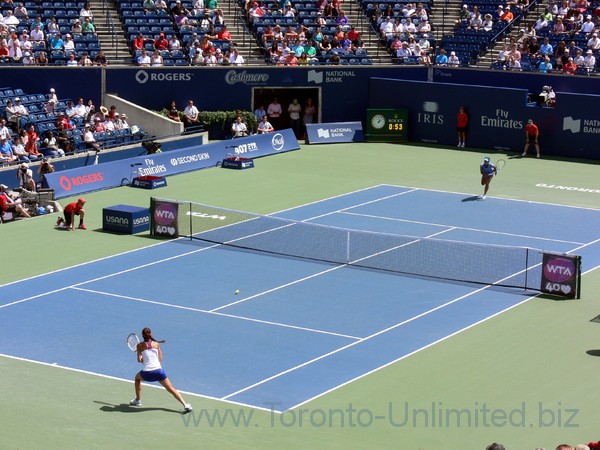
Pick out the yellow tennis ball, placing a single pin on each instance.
(237, 291)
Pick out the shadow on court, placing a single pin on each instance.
(471, 198)
(126, 408)
(595, 352)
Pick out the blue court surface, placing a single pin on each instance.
(298, 328)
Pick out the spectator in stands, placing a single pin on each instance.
(37, 34)
(138, 42)
(87, 27)
(156, 60)
(80, 109)
(463, 16)
(212, 4)
(100, 59)
(476, 22)
(198, 8)
(238, 128)
(99, 125)
(403, 52)
(88, 138)
(514, 58)
(32, 145)
(562, 55)
(424, 26)
(589, 62)
(6, 152)
(453, 60)
(235, 58)
(559, 27)
(508, 16)
(11, 115)
(63, 139)
(28, 60)
(69, 44)
(179, 10)
(488, 23)
(173, 112)
(160, 5)
(291, 59)
(545, 65)
(161, 43)
(191, 115)
(409, 26)
(57, 43)
(42, 59)
(174, 43)
(86, 12)
(10, 19)
(52, 28)
(570, 67)
(386, 28)
(588, 26)
(594, 43)
(25, 177)
(21, 112)
(7, 204)
(143, 60)
(4, 130)
(24, 42)
(579, 59)
(14, 51)
(342, 19)
(541, 23)
(148, 5)
(546, 48)
(50, 146)
(19, 151)
(4, 53)
(534, 48)
(441, 59)
(224, 34)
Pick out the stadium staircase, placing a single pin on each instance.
(109, 30)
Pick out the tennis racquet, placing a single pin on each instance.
(499, 165)
(133, 341)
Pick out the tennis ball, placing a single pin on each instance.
(237, 291)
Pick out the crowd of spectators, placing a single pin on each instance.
(26, 38)
(564, 39)
(63, 127)
(589, 446)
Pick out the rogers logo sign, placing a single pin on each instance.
(67, 183)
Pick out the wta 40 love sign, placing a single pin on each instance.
(561, 275)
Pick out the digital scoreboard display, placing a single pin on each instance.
(387, 125)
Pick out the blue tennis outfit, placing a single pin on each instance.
(489, 170)
(152, 370)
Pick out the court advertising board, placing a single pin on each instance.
(164, 218)
(334, 132)
(561, 275)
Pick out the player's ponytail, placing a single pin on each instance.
(147, 335)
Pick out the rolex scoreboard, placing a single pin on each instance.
(387, 125)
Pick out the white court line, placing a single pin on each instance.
(183, 238)
(109, 377)
(299, 366)
(232, 316)
(588, 208)
(461, 228)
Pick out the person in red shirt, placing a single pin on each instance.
(161, 43)
(72, 210)
(508, 16)
(462, 119)
(8, 205)
(570, 67)
(138, 42)
(532, 134)
(224, 34)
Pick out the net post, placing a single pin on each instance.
(578, 277)
(347, 247)
(526, 268)
(190, 218)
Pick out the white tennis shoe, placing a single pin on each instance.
(187, 408)
(135, 402)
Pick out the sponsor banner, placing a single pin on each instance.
(73, 182)
(164, 218)
(560, 274)
(329, 133)
(497, 116)
(125, 219)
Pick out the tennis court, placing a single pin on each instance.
(307, 324)
(303, 333)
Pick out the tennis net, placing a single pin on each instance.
(483, 264)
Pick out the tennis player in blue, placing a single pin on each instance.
(150, 355)
(487, 170)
